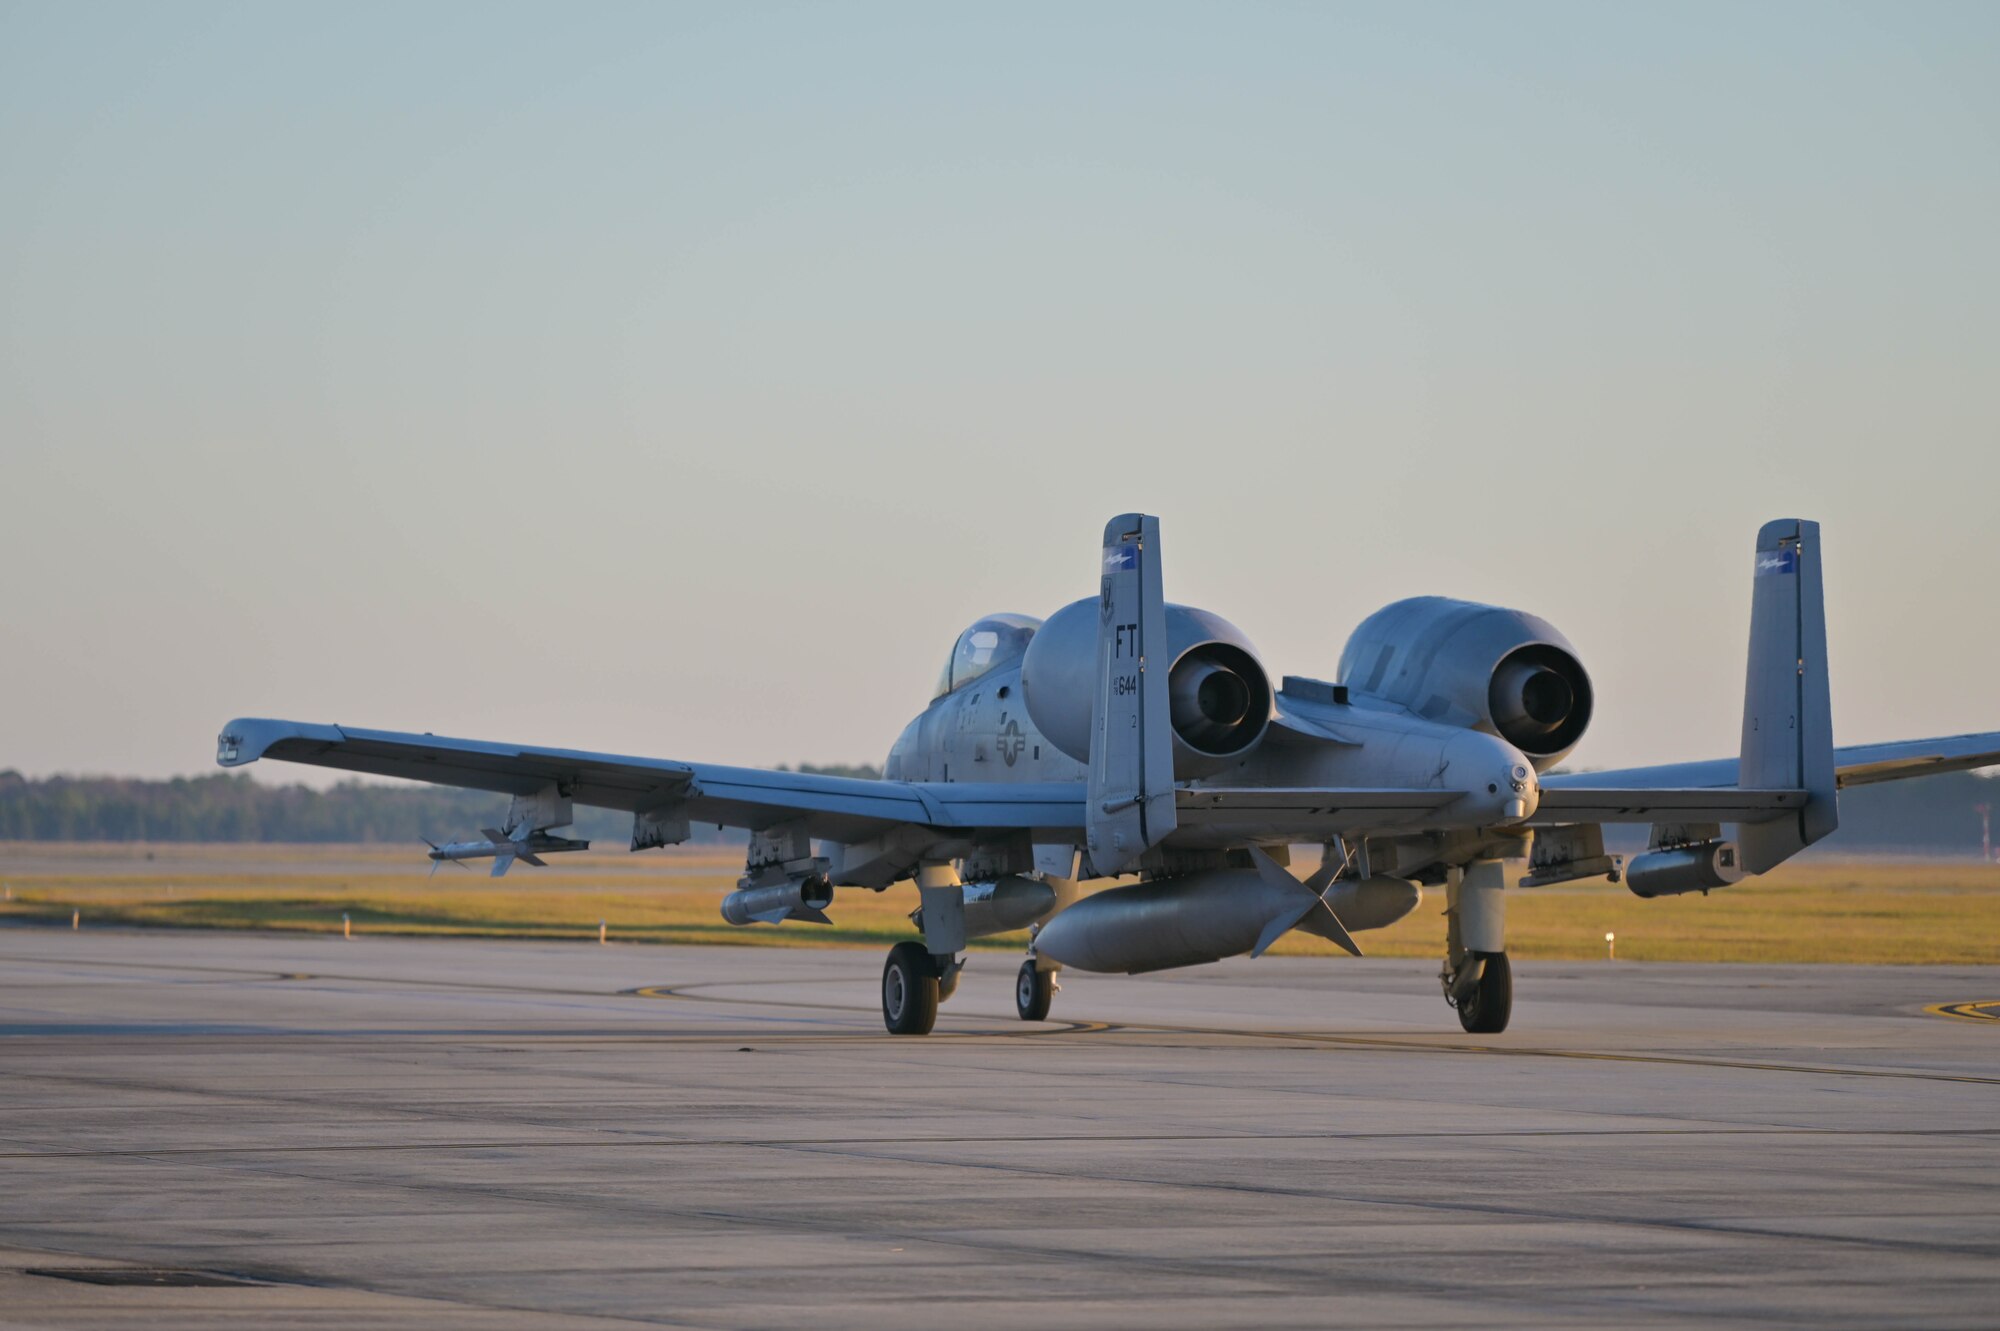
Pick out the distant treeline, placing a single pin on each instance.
(232, 807)
(1935, 815)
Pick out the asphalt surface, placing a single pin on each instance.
(393, 1133)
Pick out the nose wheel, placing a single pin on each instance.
(1034, 990)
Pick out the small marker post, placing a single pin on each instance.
(76, 919)
(1611, 947)
(346, 926)
(600, 933)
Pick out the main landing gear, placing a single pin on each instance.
(915, 981)
(1477, 978)
(919, 976)
(910, 985)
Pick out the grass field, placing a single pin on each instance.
(1830, 911)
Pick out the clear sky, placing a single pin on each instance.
(679, 379)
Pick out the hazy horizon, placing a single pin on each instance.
(680, 380)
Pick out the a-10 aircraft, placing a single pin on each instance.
(1125, 735)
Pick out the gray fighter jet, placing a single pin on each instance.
(1125, 737)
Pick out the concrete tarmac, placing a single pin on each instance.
(400, 1133)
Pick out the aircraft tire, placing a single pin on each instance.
(1492, 1002)
(909, 990)
(1034, 990)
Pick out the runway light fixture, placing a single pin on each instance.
(1611, 947)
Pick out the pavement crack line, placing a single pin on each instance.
(979, 1139)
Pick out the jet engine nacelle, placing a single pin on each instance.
(1218, 696)
(1505, 672)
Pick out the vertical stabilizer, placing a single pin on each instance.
(1131, 785)
(1787, 712)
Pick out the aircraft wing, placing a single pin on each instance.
(1866, 764)
(1706, 792)
(844, 809)
(837, 808)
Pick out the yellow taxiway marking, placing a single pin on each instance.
(1983, 1010)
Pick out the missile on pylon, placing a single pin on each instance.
(504, 848)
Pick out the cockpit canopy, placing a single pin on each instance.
(997, 640)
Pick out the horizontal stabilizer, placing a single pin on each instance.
(1284, 813)
(1309, 799)
(1638, 804)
